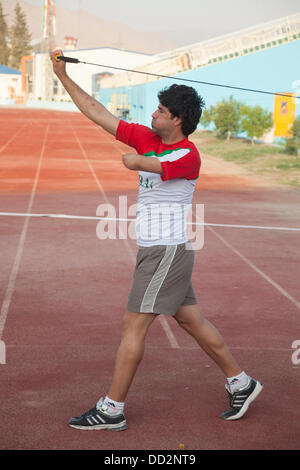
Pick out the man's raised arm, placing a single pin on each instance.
(90, 107)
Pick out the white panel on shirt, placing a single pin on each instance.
(163, 206)
(175, 155)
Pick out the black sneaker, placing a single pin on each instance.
(241, 399)
(98, 418)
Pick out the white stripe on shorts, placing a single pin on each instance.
(155, 284)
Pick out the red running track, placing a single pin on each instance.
(63, 293)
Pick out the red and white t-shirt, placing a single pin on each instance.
(163, 200)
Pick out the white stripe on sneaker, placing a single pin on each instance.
(101, 419)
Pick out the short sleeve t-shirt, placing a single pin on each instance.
(163, 200)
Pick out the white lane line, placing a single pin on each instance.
(100, 187)
(11, 139)
(256, 269)
(169, 333)
(254, 227)
(163, 321)
(14, 272)
(64, 216)
(205, 224)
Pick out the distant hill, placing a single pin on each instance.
(91, 30)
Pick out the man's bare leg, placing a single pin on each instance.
(191, 319)
(243, 389)
(130, 353)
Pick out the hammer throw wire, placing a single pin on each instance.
(73, 60)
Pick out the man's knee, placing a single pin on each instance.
(137, 323)
(184, 323)
(188, 316)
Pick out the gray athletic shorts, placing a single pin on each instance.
(162, 279)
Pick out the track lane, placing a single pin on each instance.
(61, 340)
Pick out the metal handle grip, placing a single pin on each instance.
(67, 59)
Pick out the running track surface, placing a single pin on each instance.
(63, 294)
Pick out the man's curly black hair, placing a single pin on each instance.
(184, 102)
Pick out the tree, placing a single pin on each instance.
(225, 116)
(256, 121)
(292, 144)
(20, 38)
(4, 49)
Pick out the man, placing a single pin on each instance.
(168, 164)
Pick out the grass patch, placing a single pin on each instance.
(289, 164)
(260, 159)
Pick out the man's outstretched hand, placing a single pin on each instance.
(59, 67)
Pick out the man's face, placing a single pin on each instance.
(162, 121)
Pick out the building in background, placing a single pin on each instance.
(264, 57)
(10, 85)
(87, 77)
(27, 78)
(70, 43)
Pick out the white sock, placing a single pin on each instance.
(238, 381)
(113, 407)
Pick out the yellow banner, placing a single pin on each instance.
(284, 114)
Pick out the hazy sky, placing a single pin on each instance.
(212, 17)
